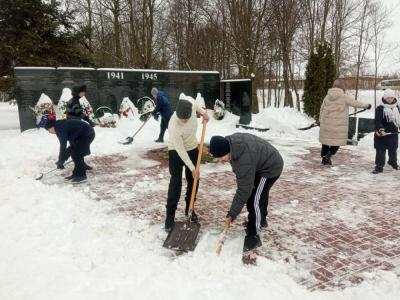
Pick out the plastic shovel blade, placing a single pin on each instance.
(39, 176)
(127, 141)
(183, 236)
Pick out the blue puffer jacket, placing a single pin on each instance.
(162, 106)
(72, 130)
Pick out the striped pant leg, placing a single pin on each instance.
(254, 205)
(265, 197)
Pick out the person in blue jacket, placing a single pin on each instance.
(80, 135)
(162, 108)
(387, 124)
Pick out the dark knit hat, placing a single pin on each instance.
(184, 109)
(77, 89)
(219, 146)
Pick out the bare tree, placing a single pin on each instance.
(364, 38)
(342, 20)
(285, 24)
(141, 32)
(326, 6)
(379, 19)
(246, 23)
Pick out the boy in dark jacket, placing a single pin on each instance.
(80, 135)
(162, 108)
(387, 121)
(257, 165)
(77, 110)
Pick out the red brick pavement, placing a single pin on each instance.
(331, 224)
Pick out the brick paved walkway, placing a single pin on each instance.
(332, 224)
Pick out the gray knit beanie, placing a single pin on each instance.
(154, 92)
(184, 109)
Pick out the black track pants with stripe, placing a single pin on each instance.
(258, 203)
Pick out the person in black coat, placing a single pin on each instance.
(74, 109)
(162, 108)
(387, 123)
(80, 135)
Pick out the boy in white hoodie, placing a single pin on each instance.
(183, 152)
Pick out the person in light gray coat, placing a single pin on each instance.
(257, 165)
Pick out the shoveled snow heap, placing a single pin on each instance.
(56, 243)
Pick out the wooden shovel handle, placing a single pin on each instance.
(223, 236)
(141, 126)
(203, 134)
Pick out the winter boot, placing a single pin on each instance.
(251, 242)
(326, 159)
(377, 170)
(264, 223)
(393, 165)
(170, 219)
(159, 140)
(194, 218)
(70, 177)
(79, 179)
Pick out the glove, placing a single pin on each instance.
(156, 116)
(369, 106)
(381, 132)
(229, 215)
(60, 165)
(145, 117)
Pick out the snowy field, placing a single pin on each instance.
(57, 243)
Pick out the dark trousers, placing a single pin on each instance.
(79, 149)
(257, 204)
(380, 157)
(176, 166)
(328, 149)
(163, 128)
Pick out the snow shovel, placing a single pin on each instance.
(183, 235)
(223, 236)
(388, 133)
(129, 139)
(316, 123)
(40, 175)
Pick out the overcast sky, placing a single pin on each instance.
(392, 61)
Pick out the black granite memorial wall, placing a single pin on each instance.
(365, 126)
(234, 93)
(107, 87)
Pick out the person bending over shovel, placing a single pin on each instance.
(80, 135)
(257, 166)
(182, 150)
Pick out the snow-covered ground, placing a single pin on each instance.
(57, 243)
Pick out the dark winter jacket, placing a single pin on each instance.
(75, 110)
(72, 130)
(162, 106)
(251, 156)
(389, 141)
